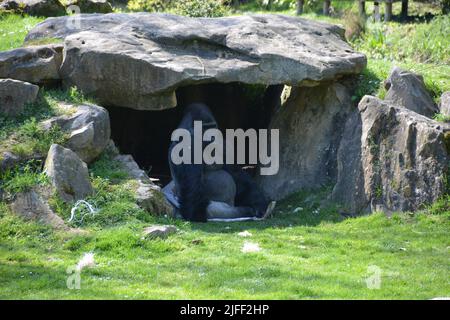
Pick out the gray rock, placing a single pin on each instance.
(31, 205)
(68, 174)
(139, 60)
(8, 160)
(390, 159)
(88, 128)
(14, 95)
(42, 8)
(35, 64)
(91, 6)
(408, 90)
(310, 123)
(112, 149)
(445, 104)
(162, 232)
(147, 194)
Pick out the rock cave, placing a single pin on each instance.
(146, 134)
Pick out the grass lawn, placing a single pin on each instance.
(307, 251)
(308, 254)
(14, 28)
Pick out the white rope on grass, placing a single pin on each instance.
(91, 210)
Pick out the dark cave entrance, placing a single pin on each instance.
(146, 134)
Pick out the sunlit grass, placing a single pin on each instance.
(307, 254)
(14, 28)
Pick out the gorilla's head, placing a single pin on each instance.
(201, 112)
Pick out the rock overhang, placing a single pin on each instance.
(138, 60)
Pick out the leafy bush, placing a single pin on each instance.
(199, 8)
(191, 8)
(428, 42)
(149, 5)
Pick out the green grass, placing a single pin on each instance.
(21, 179)
(113, 197)
(23, 134)
(309, 254)
(14, 28)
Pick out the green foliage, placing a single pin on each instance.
(441, 117)
(14, 28)
(22, 179)
(106, 167)
(440, 207)
(115, 203)
(371, 80)
(191, 8)
(113, 197)
(427, 42)
(199, 8)
(23, 134)
(32, 139)
(149, 5)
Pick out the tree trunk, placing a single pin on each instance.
(404, 9)
(362, 8)
(388, 10)
(326, 7)
(445, 6)
(376, 11)
(300, 4)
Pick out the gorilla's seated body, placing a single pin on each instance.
(200, 192)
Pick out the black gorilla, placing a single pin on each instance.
(202, 192)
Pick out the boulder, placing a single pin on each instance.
(445, 104)
(43, 8)
(68, 174)
(88, 129)
(35, 64)
(91, 6)
(138, 60)
(31, 205)
(8, 160)
(148, 195)
(162, 232)
(408, 90)
(14, 95)
(310, 123)
(390, 159)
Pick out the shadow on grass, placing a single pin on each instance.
(305, 208)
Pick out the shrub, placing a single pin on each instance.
(149, 5)
(199, 8)
(428, 42)
(191, 8)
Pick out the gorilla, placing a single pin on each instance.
(200, 192)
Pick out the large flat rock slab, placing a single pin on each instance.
(139, 60)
